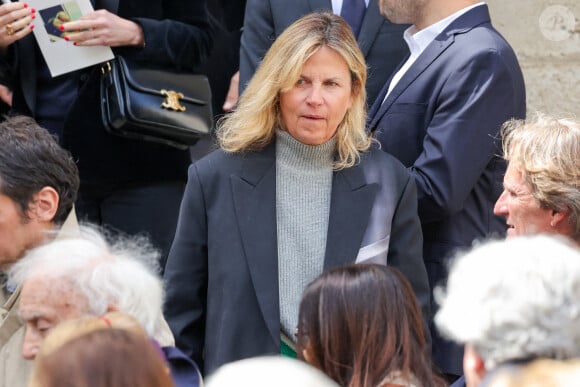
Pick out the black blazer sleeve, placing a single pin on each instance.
(406, 249)
(186, 273)
(257, 38)
(461, 139)
(180, 36)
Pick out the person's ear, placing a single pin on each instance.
(306, 355)
(44, 205)
(558, 218)
(473, 367)
(309, 355)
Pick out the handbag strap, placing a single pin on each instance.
(110, 5)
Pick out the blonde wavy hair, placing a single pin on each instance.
(547, 152)
(253, 124)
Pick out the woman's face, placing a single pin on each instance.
(312, 110)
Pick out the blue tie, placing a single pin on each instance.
(353, 12)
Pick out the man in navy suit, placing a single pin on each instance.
(440, 115)
(380, 40)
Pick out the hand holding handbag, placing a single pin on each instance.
(159, 105)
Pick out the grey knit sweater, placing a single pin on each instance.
(303, 186)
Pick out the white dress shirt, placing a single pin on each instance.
(419, 40)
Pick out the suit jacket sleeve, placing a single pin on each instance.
(6, 69)
(257, 38)
(186, 273)
(180, 38)
(406, 249)
(461, 139)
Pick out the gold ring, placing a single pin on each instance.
(9, 29)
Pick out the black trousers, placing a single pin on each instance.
(148, 209)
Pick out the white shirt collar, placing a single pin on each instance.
(419, 40)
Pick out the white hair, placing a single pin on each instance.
(267, 371)
(121, 274)
(514, 300)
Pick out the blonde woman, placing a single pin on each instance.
(296, 187)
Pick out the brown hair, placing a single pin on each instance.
(67, 330)
(361, 324)
(91, 352)
(31, 159)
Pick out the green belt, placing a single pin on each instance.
(287, 347)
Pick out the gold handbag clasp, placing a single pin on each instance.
(172, 100)
(106, 68)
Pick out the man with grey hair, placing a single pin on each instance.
(542, 182)
(512, 301)
(85, 276)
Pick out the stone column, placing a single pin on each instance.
(546, 37)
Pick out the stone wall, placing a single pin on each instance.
(546, 37)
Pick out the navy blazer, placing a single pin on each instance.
(380, 41)
(442, 121)
(184, 371)
(222, 272)
(459, 382)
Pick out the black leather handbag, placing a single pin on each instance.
(158, 105)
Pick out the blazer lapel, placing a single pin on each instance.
(372, 22)
(254, 196)
(441, 43)
(432, 52)
(378, 102)
(351, 203)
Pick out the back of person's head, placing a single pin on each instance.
(546, 150)
(67, 330)
(118, 276)
(267, 371)
(107, 357)
(514, 300)
(361, 325)
(539, 373)
(30, 160)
